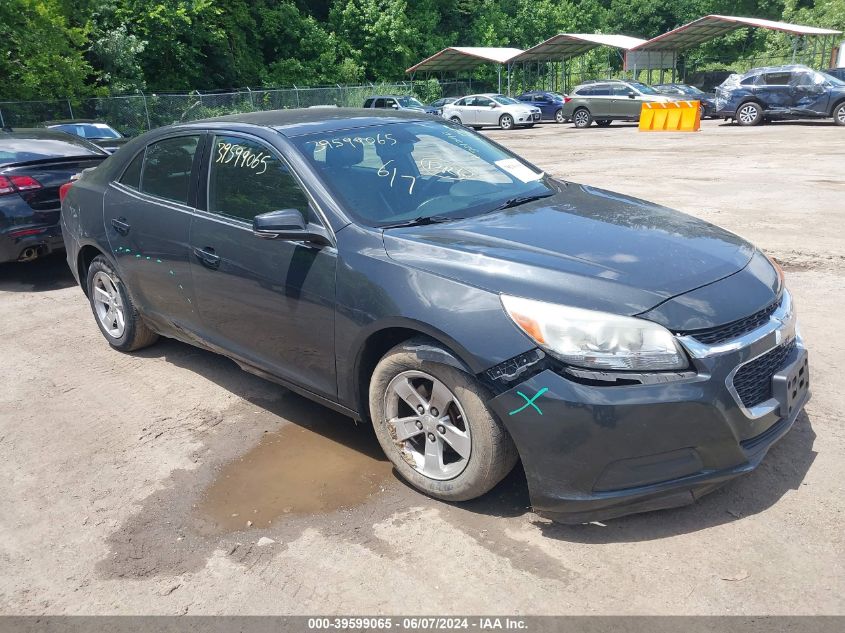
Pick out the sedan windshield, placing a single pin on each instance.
(505, 100)
(410, 102)
(416, 171)
(646, 90)
(832, 80)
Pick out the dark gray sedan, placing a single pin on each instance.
(412, 273)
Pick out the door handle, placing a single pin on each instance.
(208, 257)
(120, 225)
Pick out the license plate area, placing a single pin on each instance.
(535, 116)
(790, 384)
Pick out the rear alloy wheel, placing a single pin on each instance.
(839, 114)
(559, 118)
(433, 424)
(114, 311)
(506, 122)
(750, 113)
(455, 119)
(604, 122)
(582, 118)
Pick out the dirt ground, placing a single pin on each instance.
(170, 482)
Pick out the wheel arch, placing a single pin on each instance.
(838, 102)
(84, 258)
(429, 344)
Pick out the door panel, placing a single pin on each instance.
(267, 302)
(149, 235)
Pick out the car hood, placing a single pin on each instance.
(582, 247)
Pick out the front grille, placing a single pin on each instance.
(753, 381)
(734, 329)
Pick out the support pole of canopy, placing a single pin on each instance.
(499, 73)
(509, 80)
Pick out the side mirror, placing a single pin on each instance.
(395, 106)
(632, 95)
(288, 224)
(494, 105)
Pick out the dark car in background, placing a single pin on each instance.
(405, 270)
(781, 92)
(685, 91)
(34, 164)
(101, 134)
(839, 73)
(438, 105)
(550, 104)
(604, 101)
(399, 102)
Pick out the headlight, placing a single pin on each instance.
(596, 340)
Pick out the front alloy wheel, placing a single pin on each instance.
(433, 423)
(428, 425)
(506, 122)
(559, 118)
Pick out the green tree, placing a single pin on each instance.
(42, 55)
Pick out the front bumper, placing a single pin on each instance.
(597, 452)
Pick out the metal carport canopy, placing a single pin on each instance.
(565, 45)
(711, 26)
(459, 58)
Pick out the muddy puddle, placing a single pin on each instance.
(294, 471)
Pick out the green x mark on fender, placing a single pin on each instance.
(529, 402)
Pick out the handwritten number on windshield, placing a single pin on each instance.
(384, 172)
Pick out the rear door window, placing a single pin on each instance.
(380, 103)
(246, 178)
(368, 103)
(167, 168)
(777, 79)
(601, 91)
(132, 176)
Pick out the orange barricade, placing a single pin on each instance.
(670, 116)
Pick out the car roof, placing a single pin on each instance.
(298, 121)
(775, 69)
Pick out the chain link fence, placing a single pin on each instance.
(133, 114)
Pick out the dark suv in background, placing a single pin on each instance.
(781, 92)
(550, 104)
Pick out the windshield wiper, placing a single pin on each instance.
(515, 202)
(421, 221)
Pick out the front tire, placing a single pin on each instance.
(749, 113)
(116, 315)
(506, 122)
(559, 118)
(839, 114)
(582, 118)
(434, 426)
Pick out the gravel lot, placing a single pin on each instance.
(127, 481)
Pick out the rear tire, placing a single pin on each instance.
(582, 118)
(839, 114)
(114, 312)
(456, 453)
(457, 120)
(749, 113)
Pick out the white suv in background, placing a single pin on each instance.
(477, 111)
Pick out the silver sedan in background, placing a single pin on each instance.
(477, 111)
